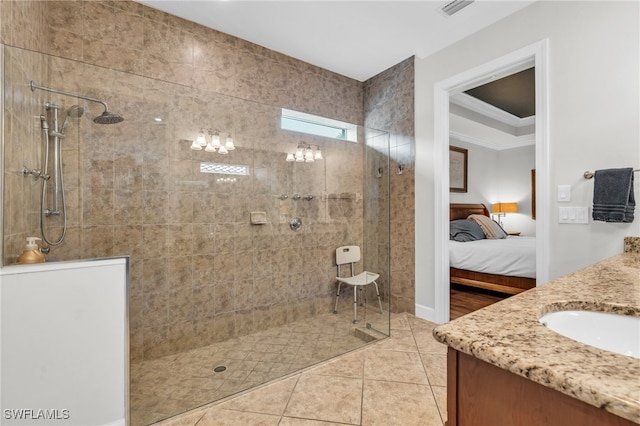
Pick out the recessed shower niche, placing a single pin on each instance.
(208, 287)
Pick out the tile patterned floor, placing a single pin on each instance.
(173, 384)
(397, 381)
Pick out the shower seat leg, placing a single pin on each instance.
(355, 304)
(378, 294)
(335, 308)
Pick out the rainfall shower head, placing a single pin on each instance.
(108, 117)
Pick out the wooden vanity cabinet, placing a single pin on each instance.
(482, 394)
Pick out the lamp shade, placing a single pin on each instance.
(504, 208)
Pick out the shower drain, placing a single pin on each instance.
(219, 369)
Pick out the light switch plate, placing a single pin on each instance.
(573, 215)
(564, 193)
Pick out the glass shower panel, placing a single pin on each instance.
(376, 230)
(225, 295)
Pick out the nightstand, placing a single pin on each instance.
(514, 233)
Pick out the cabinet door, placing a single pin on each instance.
(481, 394)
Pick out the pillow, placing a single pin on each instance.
(464, 230)
(489, 226)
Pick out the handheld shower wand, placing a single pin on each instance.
(53, 136)
(73, 112)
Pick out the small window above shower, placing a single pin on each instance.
(297, 121)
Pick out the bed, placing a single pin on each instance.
(504, 265)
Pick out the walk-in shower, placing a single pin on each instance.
(53, 137)
(217, 304)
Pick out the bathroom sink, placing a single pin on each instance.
(611, 332)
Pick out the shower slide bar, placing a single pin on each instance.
(53, 136)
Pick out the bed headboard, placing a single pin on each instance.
(461, 211)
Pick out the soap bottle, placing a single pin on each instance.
(32, 253)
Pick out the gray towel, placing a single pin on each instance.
(613, 199)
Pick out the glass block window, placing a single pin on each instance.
(224, 169)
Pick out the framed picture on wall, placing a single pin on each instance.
(457, 169)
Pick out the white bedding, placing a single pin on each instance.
(514, 256)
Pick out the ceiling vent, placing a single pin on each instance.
(455, 6)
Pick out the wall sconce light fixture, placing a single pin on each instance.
(305, 154)
(214, 144)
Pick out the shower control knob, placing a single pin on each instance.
(37, 174)
(295, 224)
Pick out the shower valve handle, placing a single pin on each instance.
(37, 174)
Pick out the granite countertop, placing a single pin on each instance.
(508, 335)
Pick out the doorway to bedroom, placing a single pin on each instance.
(487, 191)
(491, 158)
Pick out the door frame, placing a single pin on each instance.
(531, 55)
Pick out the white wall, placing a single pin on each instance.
(503, 175)
(593, 118)
(482, 174)
(514, 185)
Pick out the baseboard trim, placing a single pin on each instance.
(426, 312)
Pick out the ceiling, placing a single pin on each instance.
(358, 39)
(514, 93)
(497, 115)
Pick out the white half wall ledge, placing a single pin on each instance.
(64, 355)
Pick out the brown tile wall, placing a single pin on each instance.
(200, 273)
(130, 37)
(389, 105)
(21, 21)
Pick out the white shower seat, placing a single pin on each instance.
(350, 255)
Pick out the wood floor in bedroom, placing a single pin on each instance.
(464, 300)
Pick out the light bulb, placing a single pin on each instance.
(196, 146)
(200, 140)
(318, 155)
(215, 141)
(290, 157)
(229, 144)
(223, 150)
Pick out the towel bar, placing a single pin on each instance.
(589, 175)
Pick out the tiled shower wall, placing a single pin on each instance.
(132, 188)
(21, 22)
(389, 105)
(200, 272)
